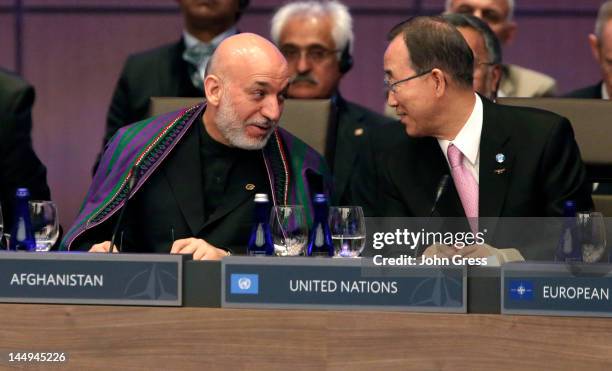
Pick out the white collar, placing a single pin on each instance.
(604, 91)
(191, 40)
(468, 139)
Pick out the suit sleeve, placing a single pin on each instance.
(19, 164)
(363, 185)
(562, 172)
(119, 113)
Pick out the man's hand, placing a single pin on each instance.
(200, 249)
(472, 251)
(103, 247)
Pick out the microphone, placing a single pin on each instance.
(439, 192)
(131, 183)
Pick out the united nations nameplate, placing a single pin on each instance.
(300, 282)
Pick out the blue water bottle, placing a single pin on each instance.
(320, 241)
(569, 248)
(260, 241)
(22, 237)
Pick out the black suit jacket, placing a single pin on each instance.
(170, 206)
(541, 170)
(353, 123)
(19, 165)
(590, 92)
(160, 72)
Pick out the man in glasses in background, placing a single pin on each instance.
(516, 81)
(316, 38)
(176, 69)
(486, 49)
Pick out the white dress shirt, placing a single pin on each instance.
(191, 41)
(468, 140)
(604, 92)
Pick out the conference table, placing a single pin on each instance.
(176, 338)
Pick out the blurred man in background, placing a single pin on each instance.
(19, 165)
(516, 81)
(601, 47)
(486, 49)
(316, 38)
(173, 70)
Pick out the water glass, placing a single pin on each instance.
(592, 234)
(45, 224)
(3, 244)
(347, 227)
(289, 230)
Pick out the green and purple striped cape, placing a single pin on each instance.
(143, 146)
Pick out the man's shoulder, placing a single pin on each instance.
(525, 122)
(523, 82)
(149, 57)
(11, 84)
(589, 92)
(366, 115)
(10, 80)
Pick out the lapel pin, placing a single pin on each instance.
(358, 132)
(500, 171)
(249, 187)
(500, 157)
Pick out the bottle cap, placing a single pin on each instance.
(320, 197)
(22, 192)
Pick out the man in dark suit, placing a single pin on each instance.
(174, 70)
(601, 46)
(502, 161)
(316, 38)
(19, 165)
(191, 175)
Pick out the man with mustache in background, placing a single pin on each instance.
(191, 175)
(316, 37)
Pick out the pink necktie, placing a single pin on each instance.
(465, 183)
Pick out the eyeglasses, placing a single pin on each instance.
(488, 64)
(392, 87)
(314, 54)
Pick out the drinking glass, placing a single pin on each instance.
(45, 224)
(3, 245)
(592, 232)
(347, 227)
(289, 230)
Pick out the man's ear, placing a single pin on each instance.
(213, 89)
(508, 33)
(496, 76)
(439, 80)
(594, 44)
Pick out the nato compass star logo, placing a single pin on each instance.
(151, 284)
(521, 290)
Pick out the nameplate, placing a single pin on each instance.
(87, 278)
(326, 283)
(557, 289)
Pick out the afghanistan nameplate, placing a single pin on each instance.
(575, 289)
(327, 283)
(87, 278)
